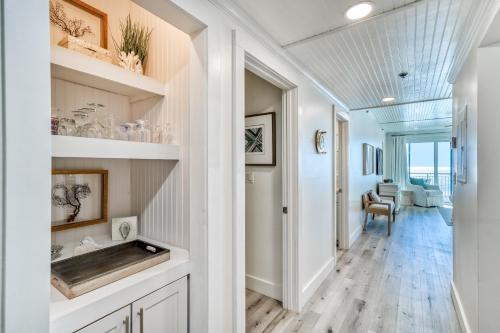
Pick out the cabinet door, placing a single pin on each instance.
(163, 311)
(116, 322)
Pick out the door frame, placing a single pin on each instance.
(242, 60)
(343, 119)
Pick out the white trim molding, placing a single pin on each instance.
(355, 235)
(264, 287)
(459, 309)
(313, 284)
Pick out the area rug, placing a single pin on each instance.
(446, 213)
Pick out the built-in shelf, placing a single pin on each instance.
(70, 146)
(78, 68)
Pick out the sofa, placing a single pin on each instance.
(425, 195)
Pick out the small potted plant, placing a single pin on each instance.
(133, 47)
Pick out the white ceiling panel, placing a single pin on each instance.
(359, 62)
(416, 116)
(291, 20)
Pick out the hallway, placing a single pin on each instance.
(395, 284)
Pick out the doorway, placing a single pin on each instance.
(263, 187)
(290, 264)
(341, 144)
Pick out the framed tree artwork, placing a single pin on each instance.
(260, 139)
(79, 198)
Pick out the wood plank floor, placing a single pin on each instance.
(382, 284)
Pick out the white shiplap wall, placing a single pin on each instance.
(156, 191)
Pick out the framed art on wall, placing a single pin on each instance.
(260, 139)
(379, 159)
(368, 165)
(78, 19)
(79, 198)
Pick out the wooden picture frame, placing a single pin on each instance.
(267, 123)
(103, 216)
(103, 38)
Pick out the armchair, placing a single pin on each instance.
(428, 196)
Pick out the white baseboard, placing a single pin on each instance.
(459, 309)
(264, 287)
(316, 281)
(355, 235)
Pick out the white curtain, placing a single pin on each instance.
(398, 169)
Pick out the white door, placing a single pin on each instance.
(116, 322)
(163, 311)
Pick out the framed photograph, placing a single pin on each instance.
(79, 14)
(124, 228)
(379, 159)
(462, 146)
(260, 139)
(79, 198)
(368, 165)
(320, 142)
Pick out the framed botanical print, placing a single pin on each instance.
(260, 139)
(79, 198)
(78, 19)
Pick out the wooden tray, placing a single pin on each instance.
(80, 274)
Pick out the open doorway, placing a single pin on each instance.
(263, 201)
(341, 128)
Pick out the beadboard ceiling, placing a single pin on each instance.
(359, 62)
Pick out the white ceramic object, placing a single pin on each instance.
(130, 61)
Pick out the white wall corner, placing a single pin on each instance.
(264, 287)
(353, 237)
(313, 284)
(459, 309)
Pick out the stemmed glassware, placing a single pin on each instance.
(92, 122)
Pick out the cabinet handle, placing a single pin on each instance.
(141, 320)
(126, 322)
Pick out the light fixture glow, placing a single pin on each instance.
(388, 99)
(360, 10)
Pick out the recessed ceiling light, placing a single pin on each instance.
(359, 10)
(388, 99)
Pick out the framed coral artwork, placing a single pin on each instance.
(79, 198)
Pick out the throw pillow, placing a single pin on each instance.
(417, 181)
(374, 196)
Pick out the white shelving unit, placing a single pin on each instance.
(69, 146)
(78, 68)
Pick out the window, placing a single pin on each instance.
(431, 161)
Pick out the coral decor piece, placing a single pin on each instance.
(130, 62)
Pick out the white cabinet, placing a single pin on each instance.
(165, 310)
(116, 322)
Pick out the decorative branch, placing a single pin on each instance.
(73, 26)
